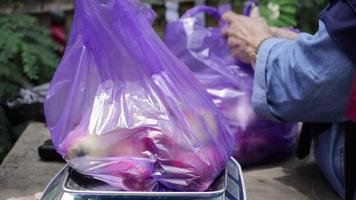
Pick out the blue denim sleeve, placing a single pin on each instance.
(306, 80)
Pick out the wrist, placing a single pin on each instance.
(254, 52)
(283, 33)
(261, 42)
(274, 31)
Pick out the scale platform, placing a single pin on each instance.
(70, 185)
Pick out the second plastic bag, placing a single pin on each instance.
(229, 82)
(123, 109)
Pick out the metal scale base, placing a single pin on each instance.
(69, 185)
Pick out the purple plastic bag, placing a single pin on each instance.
(229, 82)
(123, 109)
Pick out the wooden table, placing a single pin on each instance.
(22, 173)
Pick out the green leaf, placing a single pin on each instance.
(7, 89)
(29, 61)
(10, 71)
(26, 50)
(283, 15)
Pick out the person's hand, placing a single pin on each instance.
(245, 34)
(283, 33)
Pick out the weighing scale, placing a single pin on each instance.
(70, 185)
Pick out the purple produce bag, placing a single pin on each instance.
(123, 109)
(229, 82)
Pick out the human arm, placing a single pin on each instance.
(307, 80)
(246, 34)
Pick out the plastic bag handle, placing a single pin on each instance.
(203, 9)
(215, 12)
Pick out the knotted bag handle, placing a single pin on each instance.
(214, 12)
(203, 9)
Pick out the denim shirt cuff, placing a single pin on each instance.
(259, 97)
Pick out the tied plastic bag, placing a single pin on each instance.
(122, 108)
(229, 82)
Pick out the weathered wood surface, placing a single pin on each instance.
(22, 173)
(288, 180)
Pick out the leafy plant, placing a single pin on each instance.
(302, 14)
(27, 54)
(27, 57)
(280, 13)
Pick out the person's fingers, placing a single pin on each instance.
(232, 30)
(241, 55)
(232, 17)
(229, 16)
(255, 13)
(225, 32)
(229, 31)
(234, 42)
(236, 53)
